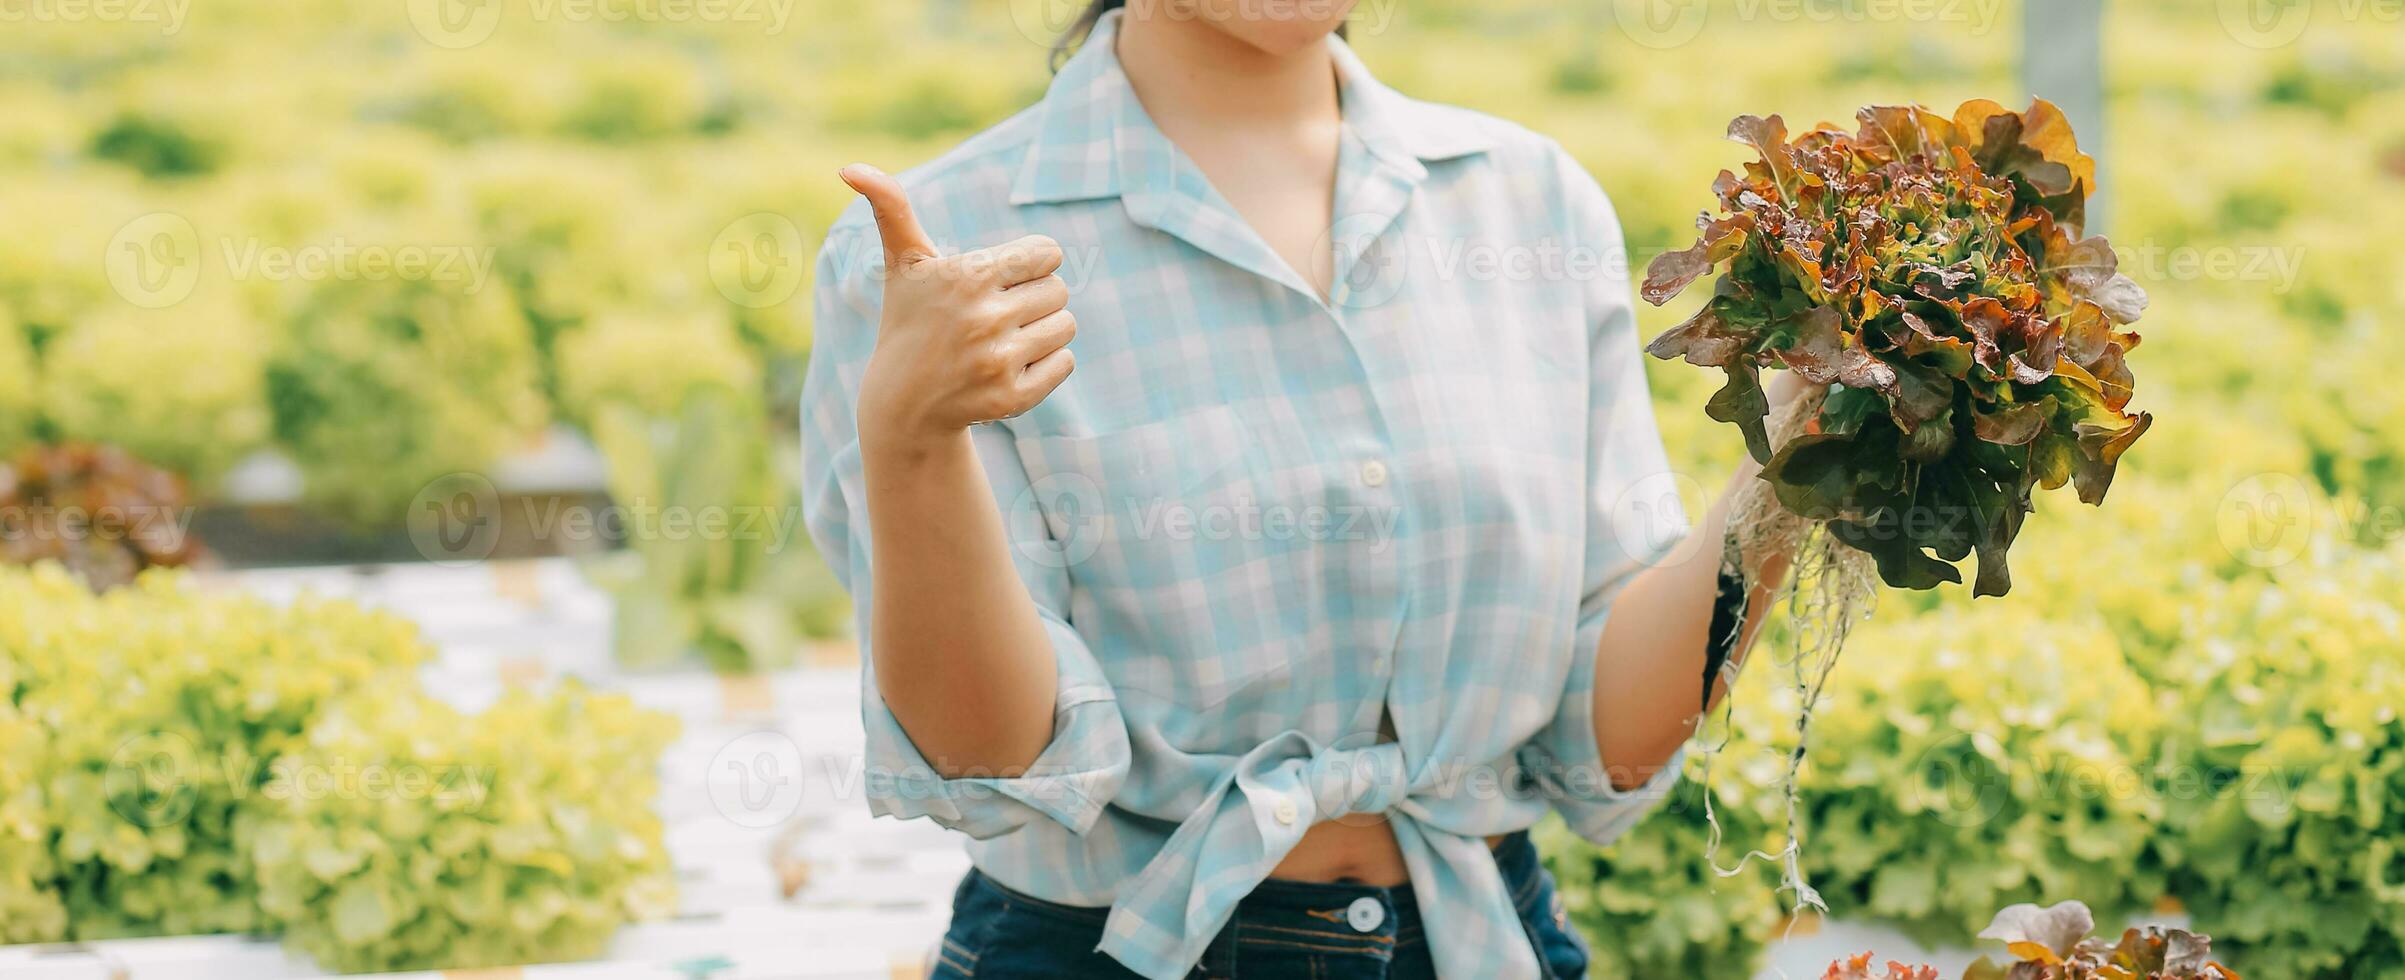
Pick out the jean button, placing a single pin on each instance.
(1366, 914)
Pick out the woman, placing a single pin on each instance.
(1256, 647)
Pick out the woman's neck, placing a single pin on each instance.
(1188, 71)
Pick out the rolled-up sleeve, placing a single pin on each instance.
(1087, 760)
(1634, 518)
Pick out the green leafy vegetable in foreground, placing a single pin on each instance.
(503, 837)
(1932, 270)
(175, 761)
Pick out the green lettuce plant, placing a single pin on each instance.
(403, 835)
(2228, 747)
(716, 564)
(1965, 760)
(380, 387)
(650, 363)
(20, 386)
(2283, 776)
(176, 762)
(30, 907)
(182, 387)
(158, 707)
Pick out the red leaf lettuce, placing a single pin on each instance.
(1932, 271)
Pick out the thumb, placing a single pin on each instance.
(905, 242)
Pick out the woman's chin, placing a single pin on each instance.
(1282, 38)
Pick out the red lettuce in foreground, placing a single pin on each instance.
(2052, 943)
(1933, 272)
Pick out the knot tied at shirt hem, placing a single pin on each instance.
(1255, 815)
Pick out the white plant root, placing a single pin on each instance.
(1829, 588)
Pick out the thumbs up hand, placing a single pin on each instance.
(967, 338)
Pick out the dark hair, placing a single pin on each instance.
(1084, 25)
(1080, 28)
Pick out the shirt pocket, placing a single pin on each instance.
(1175, 581)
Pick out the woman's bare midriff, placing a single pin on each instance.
(1359, 848)
(1353, 850)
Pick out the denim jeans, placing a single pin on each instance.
(1298, 929)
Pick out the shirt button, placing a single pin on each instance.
(1373, 474)
(1284, 811)
(1365, 914)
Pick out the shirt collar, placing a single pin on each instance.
(1077, 150)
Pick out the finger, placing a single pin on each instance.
(1030, 301)
(897, 226)
(1036, 340)
(1032, 257)
(1043, 376)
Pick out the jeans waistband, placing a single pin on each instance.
(1281, 921)
(1515, 856)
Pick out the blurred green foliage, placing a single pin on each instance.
(741, 596)
(176, 762)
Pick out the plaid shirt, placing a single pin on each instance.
(1255, 521)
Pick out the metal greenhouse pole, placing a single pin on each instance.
(2062, 60)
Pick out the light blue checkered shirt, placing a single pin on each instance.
(1255, 521)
